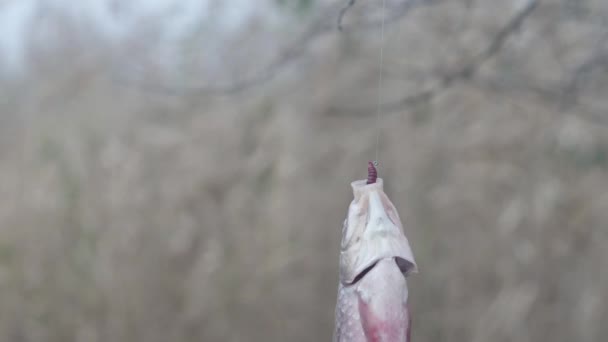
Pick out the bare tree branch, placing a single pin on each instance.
(550, 94)
(464, 73)
(343, 11)
(598, 59)
(324, 24)
(564, 95)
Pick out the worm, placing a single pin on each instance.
(372, 173)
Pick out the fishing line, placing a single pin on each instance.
(380, 76)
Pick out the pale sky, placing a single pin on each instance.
(111, 20)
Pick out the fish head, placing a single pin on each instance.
(372, 231)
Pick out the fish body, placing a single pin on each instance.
(375, 258)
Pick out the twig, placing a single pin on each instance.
(597, 59)
(343, 11)
(565, 94)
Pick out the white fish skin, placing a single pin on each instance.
(375, 259)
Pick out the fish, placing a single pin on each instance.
(375, 262)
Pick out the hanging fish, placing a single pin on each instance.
(375, 258)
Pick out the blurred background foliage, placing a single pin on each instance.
(179, 171)
(298, 6)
